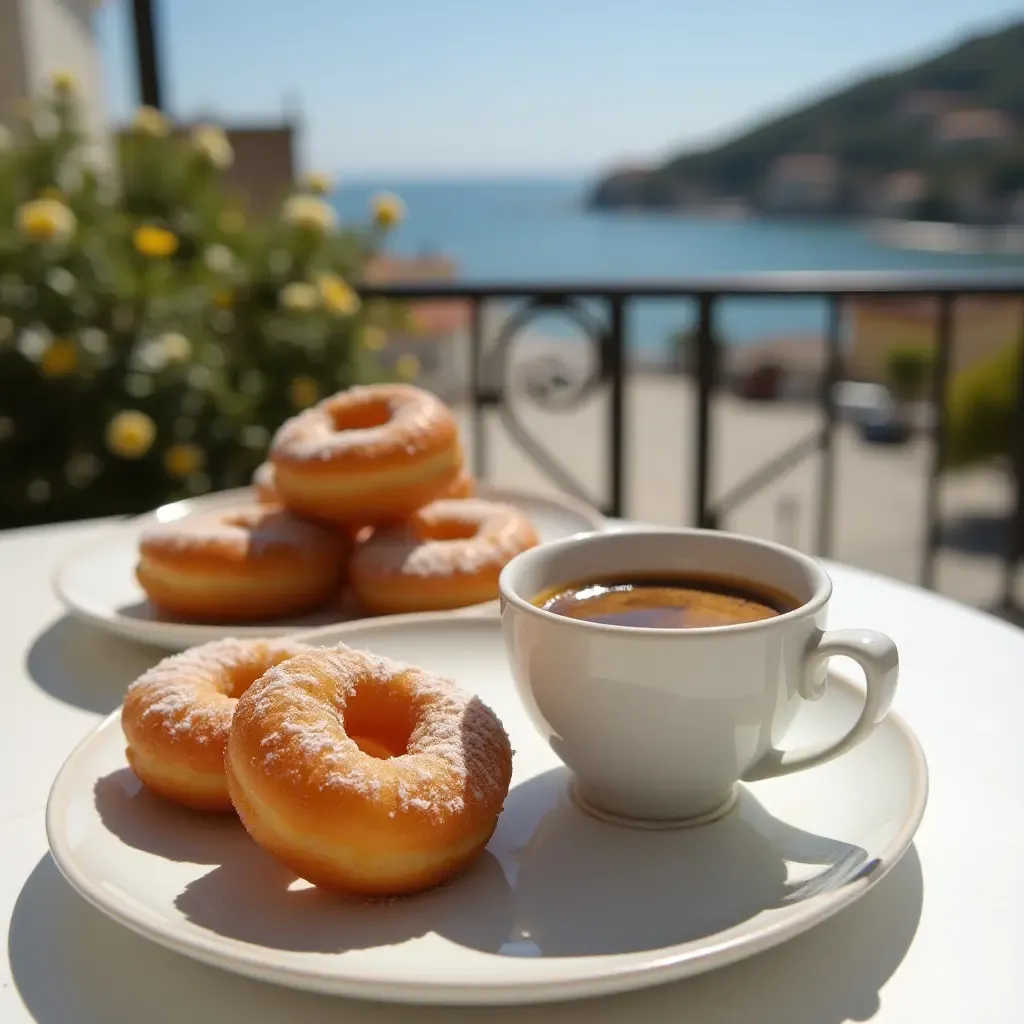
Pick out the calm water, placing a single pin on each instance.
(536, 230)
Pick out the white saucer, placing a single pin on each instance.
(559, 906)
(97, 583)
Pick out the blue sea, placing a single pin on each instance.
(532, 230)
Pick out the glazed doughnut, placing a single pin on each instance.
(366, 776)
(177, 716)
(371, 453)
(447, 555)
(246, 563)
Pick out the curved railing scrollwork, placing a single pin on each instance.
(551, 380)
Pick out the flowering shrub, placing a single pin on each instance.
(981, 411)
(151, 336)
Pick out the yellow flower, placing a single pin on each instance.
(175, 347)
(388, 210)
(223, 298)
(182, 460)
(407, 367)
(231, 222)
(303, 392)
(212, 145)
(46, 220)
(309, 212)
(318, 184)
(149, 121)
(59, 359)
(374, 338)
(298, 297)
(153, 241)
(130, 434)
(64, 82)
(336, 296)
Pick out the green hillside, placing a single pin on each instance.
(869, 133)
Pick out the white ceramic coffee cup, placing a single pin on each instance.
(658, 725)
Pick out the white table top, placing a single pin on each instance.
(934, 941)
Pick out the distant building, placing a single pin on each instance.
(264, 168)
(41, 37)
(972, 128)
(899, 194)
(436, 331)
(802, 183)
(927, 104)
(981, 327)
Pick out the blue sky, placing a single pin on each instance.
(441, 87)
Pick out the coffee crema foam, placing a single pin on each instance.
(683, 601)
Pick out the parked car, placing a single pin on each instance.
(871, 408)
(857, 401)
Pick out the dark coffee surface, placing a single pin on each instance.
(673, 602)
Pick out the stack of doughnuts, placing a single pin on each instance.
(364, 494)
(360, 774)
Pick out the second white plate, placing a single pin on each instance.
(558, 906)
(97, 583)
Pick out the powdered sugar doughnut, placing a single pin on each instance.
(366, 776)
(177, 715)
(265, 487)
(463, 486)
(371, 453)
(263, 484)
(244, 564)
(449, 554)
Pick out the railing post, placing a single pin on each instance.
(476, 387)
(933, 527)
(1015, 532)
(830, 378)
(616, 370)
(706, 359)
(146, 61)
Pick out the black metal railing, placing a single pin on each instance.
(490, 362)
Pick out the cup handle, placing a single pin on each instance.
(877, 656)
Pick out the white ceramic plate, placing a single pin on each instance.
(97, 583)
(559, 905)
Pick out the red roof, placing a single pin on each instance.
(429, 318)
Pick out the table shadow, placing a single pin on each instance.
(254, 899)
(71, 963)
(146, 821)
(80, 665)
(145, 611)
(587, 888)
(249, 896)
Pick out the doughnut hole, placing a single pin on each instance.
(239, 677)
(379, 721)
(359, 414)
(444, 529)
